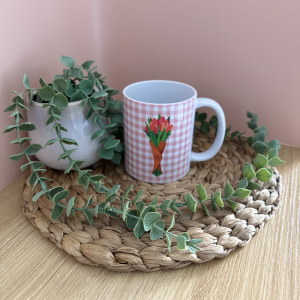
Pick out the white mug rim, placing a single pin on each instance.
(159, 104)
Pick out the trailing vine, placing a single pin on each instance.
(205, 126)
(137, 215)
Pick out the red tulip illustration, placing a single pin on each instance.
(158, 131)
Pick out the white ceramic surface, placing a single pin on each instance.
(78, 127)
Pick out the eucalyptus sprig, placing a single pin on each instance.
(142, 217)
(213, 122)
(258, 141)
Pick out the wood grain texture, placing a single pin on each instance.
(32, 267)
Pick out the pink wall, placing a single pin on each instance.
(33, 36)
(244, 54)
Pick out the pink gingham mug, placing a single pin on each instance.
(158, 125)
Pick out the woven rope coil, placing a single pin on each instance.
(108, 243)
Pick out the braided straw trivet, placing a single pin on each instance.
(110, 244)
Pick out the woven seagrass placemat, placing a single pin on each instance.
(108, 243)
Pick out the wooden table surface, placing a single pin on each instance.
(32, 267)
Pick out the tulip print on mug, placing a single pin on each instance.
(158, 129)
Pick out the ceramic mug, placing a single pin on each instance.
(158, 125)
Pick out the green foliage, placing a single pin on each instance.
(213, 122)
(65, 89)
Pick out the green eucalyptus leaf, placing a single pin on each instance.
(77, 96)
(69, 141)
(16, 157)
(67, 61)
(78, 163)
(174, 207)
(116, 105)
(273, 144)
(66, 154)
(89, 216)
(33, 149)
(154, 201)
(140, 206)
(50, 120)
(51, 142)
(16, 112)
(60, 196)
(70, 205)
(60, 100)
(131, 221)
(263, 175)
(38, 195)
(253, 186)
(248, 171)
(125, 209)
(249, 114)
(20, 141)
(9, 128)
(96, 74)
(51, 193)
(99, 94)
(98, 134)
(150, 218)
(259, 147)
(213, 122)
(87, 64)
(252, 125)
(76, 72)
(26, 82)
(259, 136)
(60, 85)
(254, 118)
(139, 229)
(102, 208)
(273, 152)
(270, 171)
(117, 158)
(138, 196)
(241, 193)
(260, 161)
(117, 118)
(228, 191)
(46, 93)
(70, 91)
(156, 231)
(111, 144)
(10, 108)
(275, 161)
(218, 198)
(113, 191)
(243, 183)
(181, 242)
(56, 212)
(106, 153)
(42, 82)
(110, 125)
(86, 86)
(201, 192)
(164, 206)
(232, 204)
(33, 179)
(261, 128)
(84, 181)
(169, 241)
(191, 203)
(22, 106)
(172, 223)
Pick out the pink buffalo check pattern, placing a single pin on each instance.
(138, 155)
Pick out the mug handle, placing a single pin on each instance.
(213, 150)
